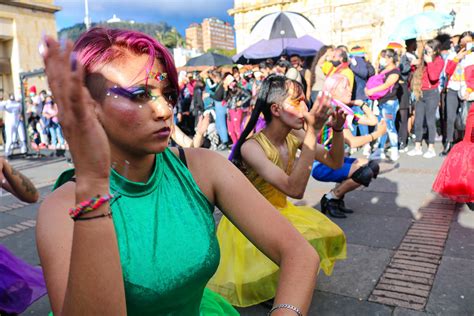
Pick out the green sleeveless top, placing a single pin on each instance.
(167, 243)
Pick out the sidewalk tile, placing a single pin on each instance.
(357, 275)
(453, 290)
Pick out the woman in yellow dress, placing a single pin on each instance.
(245, 275)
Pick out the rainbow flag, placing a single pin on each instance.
(395, 46)
(358, 51)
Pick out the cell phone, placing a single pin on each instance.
(457, 48)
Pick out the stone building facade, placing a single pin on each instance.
(363, 22)
(194, 37)
(22, 24)
(211, 33)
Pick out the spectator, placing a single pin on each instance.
(298, 63)
(426, 107)
(317, 75)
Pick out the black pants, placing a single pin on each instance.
(451, 109)
(403, 113)
(425, 108)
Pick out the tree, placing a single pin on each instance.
(172, 38)
(225, 52)
(156, 30)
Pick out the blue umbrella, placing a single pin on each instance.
(420, 24)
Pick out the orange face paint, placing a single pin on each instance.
(296, 106)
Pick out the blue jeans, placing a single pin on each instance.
(363, 129)
(221, 123)
(388, 111)
(56, 134)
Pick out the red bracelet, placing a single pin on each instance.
(89, 205)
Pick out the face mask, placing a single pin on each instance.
(32, 94)
(335, 63)
(383, 62)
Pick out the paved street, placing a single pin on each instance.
(407, 254)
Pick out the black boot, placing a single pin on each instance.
(343, 208)
(447, 149)
(331, 207)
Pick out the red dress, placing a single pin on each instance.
(455, 179)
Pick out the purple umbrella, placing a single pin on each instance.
(303, 46)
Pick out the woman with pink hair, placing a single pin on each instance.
(140, 236)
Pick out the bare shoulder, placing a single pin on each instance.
(54, 231)
(64, 195)
(206, 166)
(53, 220)
(249, 148)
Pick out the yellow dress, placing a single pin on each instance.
(245, 276)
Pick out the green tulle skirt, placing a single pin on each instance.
(212, 304)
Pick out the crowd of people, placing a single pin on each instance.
(140, 225)
(432, 78)
(41, 125)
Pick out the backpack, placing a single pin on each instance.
(375, 81)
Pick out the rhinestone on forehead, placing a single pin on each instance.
(157, 75)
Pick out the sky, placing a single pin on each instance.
(177, 13)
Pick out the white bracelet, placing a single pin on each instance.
(287, 306)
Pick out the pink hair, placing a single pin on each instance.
(331, 82)
(100, 46)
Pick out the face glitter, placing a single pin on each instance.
(157, 75)
(140, 94)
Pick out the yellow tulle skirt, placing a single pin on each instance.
(246, 277)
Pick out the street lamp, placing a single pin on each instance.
(453, 14)
(87, 19)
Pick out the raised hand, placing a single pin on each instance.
(203, 124)
(85, 135)
(462, 53)
(319, 114)
(381, 128)
(338, 119)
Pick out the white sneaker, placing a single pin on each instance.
(430, 153)
(394, 155)
(378, 154)
(415, 152)
(366, 150)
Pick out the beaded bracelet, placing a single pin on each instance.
(287, 306)
(107, 214)
(89, 205)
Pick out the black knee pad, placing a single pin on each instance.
(363, 175)
(374, 165)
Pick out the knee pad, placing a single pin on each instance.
(374, 165)
(363, 175)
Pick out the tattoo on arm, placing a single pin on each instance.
(25, 182)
